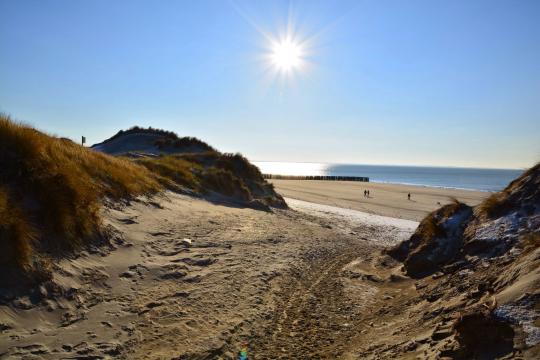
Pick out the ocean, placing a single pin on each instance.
(447, 177)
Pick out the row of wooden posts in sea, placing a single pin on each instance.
(316, 177)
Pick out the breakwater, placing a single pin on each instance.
(316, 177)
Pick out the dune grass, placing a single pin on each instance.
(524, 189)
(16, 235)
(172, 171)
(495, 204)
(200, 175)
(50, 191)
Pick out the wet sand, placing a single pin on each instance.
(385, 199)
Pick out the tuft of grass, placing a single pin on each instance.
(494, 205)
(522, 192)
(430, 228)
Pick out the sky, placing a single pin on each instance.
(445, 83)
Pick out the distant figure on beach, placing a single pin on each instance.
(409, 196)
(365, 193)
(368, 193)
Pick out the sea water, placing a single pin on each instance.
(449, 177)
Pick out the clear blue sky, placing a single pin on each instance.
(389, 82)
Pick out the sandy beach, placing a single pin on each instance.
(186, 278)
(385, 199)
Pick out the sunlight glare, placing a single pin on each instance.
(286, 55)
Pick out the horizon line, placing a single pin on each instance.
(404, 165)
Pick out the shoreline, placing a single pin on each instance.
(435, 186)
(385, 199)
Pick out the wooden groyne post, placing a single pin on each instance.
(316, 177)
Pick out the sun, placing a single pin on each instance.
(286, 55)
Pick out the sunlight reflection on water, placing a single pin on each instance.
(447, 177)
(292, 168)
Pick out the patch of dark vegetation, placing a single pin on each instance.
(185, 144)
(141, 130)
(162, 141)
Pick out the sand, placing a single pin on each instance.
(385, 199)
(186, 278)
(189, 279)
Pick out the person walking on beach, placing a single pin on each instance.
(368, 193)
(365, 193)
(409, 196)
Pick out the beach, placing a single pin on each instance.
(385, 199)
(188, 278)
(185, 278)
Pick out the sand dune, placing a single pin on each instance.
(385, 199)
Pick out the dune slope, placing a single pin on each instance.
(478, 274)
(51, 191)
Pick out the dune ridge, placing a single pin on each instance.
(51, 190)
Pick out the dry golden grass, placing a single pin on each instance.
(198, 176)
(172, 171)
(493, 205)
(225, 182)
(521, 191)
(51, 188)
(16, 235)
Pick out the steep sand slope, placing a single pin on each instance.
(385, 199)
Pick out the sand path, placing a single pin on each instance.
(193, 280)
